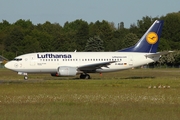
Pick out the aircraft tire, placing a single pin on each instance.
(25, 77)
(85, 76)
(82, 76)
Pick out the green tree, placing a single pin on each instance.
(30, 44)
(164, 45)
(4, 25)
(94, 44)
(104, 30)
(82, 35)
(14, 39)
(26, 24)
(142, 26)
(120, 25)
(171, 27)
(130, 40)
(168, 59)
(177, 58)
(77, 32)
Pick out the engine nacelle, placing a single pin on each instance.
(65, 71)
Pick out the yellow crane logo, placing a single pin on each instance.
(152, 37)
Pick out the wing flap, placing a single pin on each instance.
(93, 67)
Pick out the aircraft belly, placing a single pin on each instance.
(37, 70)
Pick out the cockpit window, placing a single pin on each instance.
(17, 59)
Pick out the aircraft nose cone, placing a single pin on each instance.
(8, 65)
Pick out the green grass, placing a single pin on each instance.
(112, 96)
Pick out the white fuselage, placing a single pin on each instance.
(48, 62)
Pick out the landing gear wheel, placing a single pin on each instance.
(85, 76)
(82, 76)
(25, 77)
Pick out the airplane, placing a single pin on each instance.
(73, 63)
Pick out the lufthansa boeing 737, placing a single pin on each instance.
(73, 63)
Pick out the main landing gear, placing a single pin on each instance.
(25, 77)
(85, 76)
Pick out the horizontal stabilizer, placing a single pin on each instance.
(158, 54)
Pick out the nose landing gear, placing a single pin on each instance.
(25, 77)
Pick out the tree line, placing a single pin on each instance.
(24, 37)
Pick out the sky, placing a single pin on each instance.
(61, 11)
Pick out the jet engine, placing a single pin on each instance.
(65, 71)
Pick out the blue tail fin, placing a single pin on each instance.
(149, 41)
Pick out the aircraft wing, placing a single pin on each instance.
(93, 67)
(158, 54)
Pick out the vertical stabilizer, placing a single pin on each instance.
(149, 41)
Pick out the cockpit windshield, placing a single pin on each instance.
(17, 59)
